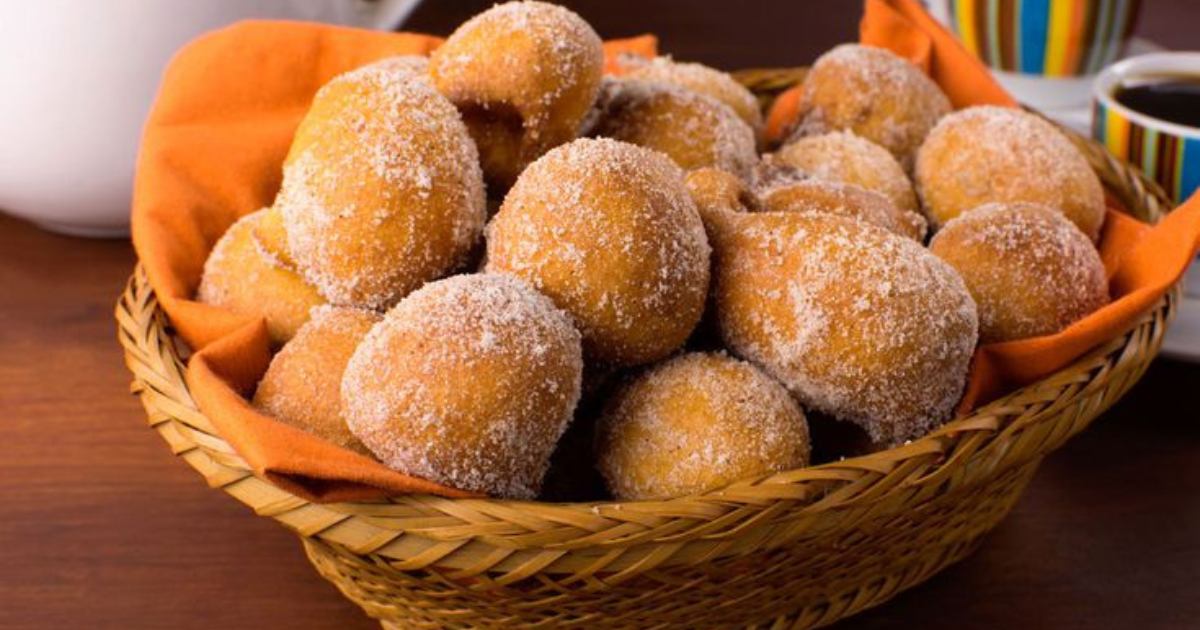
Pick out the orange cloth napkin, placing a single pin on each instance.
(211, 151)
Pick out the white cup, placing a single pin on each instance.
(79, 78)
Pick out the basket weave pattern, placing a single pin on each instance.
(801, 548)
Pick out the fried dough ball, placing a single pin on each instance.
(693, 129)
(469, 382)
(1000, 154)
(874, 93)
(858, 323)
(1030, 270)
(783, 188)
(609, 232)
(523, 74)
(704, 80)
(716, 193)
(303, 383)
(695, 423)
(242, 275)
(382, 190)
(841, 156)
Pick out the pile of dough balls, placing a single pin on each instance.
(465, 247)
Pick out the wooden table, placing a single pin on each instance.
(101, 527)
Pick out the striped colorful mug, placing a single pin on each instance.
(1167, 152)
(1053, 38)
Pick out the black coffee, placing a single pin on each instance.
(1173, 98)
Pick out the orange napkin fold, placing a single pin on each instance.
(212, 150)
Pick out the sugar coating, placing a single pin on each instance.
(382, 189)
(783, 188)
(608, 231)
(705, 80)
(874, 93)
(695, 423)
(536, 62)
(989, 154)
(843, 156)
(242, 275)
(302, 386)
(468, 381)
(858, 323)
(417, 65)
(693, 129)
(1029, 269)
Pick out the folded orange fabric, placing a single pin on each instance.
(212, 150)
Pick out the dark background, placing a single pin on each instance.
(101, 527)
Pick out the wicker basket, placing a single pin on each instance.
(801, 549)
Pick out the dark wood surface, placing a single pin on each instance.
(101, 527)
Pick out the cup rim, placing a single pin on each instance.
(1102, 89)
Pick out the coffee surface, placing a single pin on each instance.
(1173, 98)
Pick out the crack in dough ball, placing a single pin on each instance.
(858, 323)
(609, 232)
(469, 382)
(704, 80)
(1000, 154)
(1030, 270)
(302, 386)
(523, 74)
(382, 190)
(781, 188)
(693, 129)
(243, 275)
(696, 423)
(874, 93)
(841, 156)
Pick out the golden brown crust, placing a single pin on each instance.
(303, 383)
(874, 93)
(523, 74)
(242, 275)
(695, 423)
(469, 382)
(693, 129)
(608, 231)
(857, 322)
(1001, 154)
(842, 156)
(1029, 269)
(704, 80)
(381, 188)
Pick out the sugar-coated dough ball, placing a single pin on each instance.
(303, 383)
(242, 275)
(841, 156)
(469, 382)
(1001, 154)
(523, 74)
(1030, 270)
(705, 80)
(696, 423)
(609, 232)
(858, 323)
(874, 93)
(783, 188)
(693, 129)
(382, 190)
